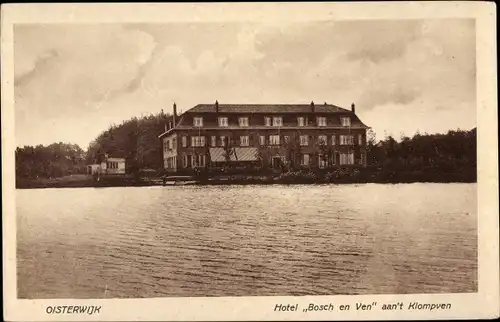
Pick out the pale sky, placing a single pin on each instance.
(73, 81)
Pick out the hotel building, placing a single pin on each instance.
(302, 136)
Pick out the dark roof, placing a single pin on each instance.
(264, 109)
(267, 108)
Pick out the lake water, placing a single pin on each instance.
(246, 240)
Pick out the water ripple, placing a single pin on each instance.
(247, 240)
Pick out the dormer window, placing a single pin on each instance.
(198, 121)
(267, 121)
(243, 121)
(321, 120)
(223, 122)
(277, 121)
(345, 120)
(300, 121)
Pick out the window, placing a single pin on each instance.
(243, 121)
(346, 139)
(334, 139)
(222, 141)
(322, 140)
(274, 139)
(287, 139)
(244, 141)
(165, 145)
(321, 161)
(198, 121)
(213, 140)
(262, 140)
(305, 159)
(174, 143)
(197, 141)
(277, 121)
(184, 141)
(360, 139)
(346, 121)
(321, 120)
(267, 121)
(223, 121)
(169, 144)
(185, 161)
(304, 140)
(346, 158)
(198, 160)
(300, 121)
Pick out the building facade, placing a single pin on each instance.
(109, 166)
(298, 136)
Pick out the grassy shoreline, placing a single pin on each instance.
(82, 181)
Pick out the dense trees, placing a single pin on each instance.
(423, 157)
(55, 160)
(136, 140)
(429, 156)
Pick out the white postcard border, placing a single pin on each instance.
(484, 304)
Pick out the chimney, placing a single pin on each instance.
(353, 108)
(312, 106)
(216, 106)
(175, 114)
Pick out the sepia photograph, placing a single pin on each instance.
(236, 158)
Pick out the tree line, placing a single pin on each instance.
(137, 141)
(52, 161)
(436, 157)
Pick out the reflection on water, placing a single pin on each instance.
(247, 240)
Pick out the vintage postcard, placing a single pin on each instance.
(249, 161)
